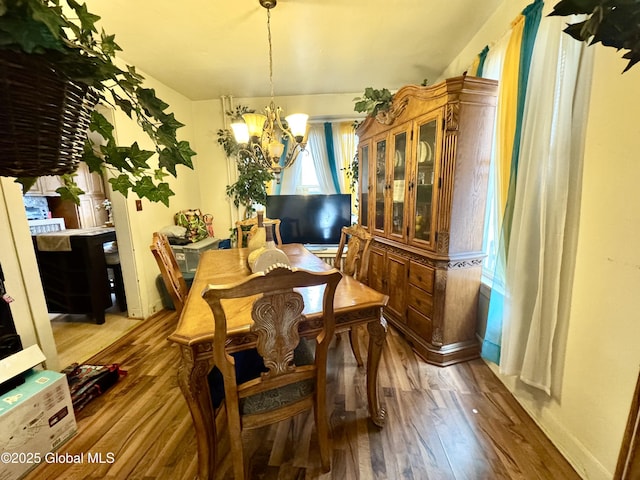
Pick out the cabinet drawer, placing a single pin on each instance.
(420, 300)
(420, 324)
(421, 276)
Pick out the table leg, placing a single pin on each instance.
(192, 377)
(377, 335)
(98, 288)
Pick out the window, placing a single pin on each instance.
(308, 177)
(319, 169)
(491, 229)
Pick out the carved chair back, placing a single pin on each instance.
(356, 262)
(246, 227)
(170, 270)
(293, 379)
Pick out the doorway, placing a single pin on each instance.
(76, 336)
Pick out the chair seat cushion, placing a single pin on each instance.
(276, 398)
(249, 365)
(262, 402)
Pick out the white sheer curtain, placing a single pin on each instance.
(317, 145)
(344, 143)
(541, 256)
(290, 177)
(493, 69)
(317, 149)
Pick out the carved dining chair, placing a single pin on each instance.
(170, 270)
(355, 264)
(244, 230)
(294, 373)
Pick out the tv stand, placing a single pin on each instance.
(319, 247)
(326, 252)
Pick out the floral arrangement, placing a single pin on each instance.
(107, 207)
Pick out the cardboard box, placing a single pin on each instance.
(35, 419)
(19, 362)
(188, 255)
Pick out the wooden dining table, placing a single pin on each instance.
(354, 304)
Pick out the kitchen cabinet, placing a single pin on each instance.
(45, 186)
(85, 215)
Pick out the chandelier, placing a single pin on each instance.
(261, 136)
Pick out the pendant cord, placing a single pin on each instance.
(270, 51)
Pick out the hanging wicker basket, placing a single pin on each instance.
(44, 117)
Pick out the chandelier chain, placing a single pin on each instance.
(270, 51)
(259, 136)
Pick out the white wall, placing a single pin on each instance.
(603, 356)
(587, 419)
(213, 173)
(133, 227)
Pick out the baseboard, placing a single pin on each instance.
(580, 458)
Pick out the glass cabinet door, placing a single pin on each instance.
(363, 182)
(398, 171)
(380, 185)
(426, 182)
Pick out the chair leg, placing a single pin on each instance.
(235, 441)
(355, 345)
(322, 427)
(118, 281)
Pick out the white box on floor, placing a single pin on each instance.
(35, 419)
(20, 362)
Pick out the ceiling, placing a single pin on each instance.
(208, 48)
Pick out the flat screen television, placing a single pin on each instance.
(310, 219)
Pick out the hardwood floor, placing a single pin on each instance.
(79, 338)
(457, 422)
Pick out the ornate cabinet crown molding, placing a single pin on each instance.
(388, 117)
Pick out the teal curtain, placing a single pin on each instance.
(491, 346)
(481, 58)
(278, 186)
(331, 153)
(532, 14)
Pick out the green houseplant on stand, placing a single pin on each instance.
(45, 52)
(250, 187)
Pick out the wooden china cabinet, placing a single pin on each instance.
(423, 181)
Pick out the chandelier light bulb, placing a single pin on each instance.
(255, 124)
(275, 149)
(240, 132)
(298, 125)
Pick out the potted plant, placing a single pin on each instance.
(38, 38)
(378, 103)
(375, 103)
(614, 23)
